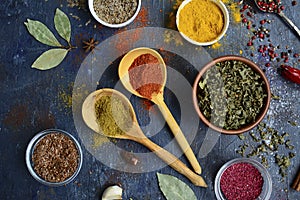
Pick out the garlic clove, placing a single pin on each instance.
(112, 193)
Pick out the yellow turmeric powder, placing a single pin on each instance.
(201, 20)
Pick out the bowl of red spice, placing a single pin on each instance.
(231, 94)
(243, 178)
(116, 13)
(54, 157)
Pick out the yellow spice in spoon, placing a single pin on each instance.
(201, 20)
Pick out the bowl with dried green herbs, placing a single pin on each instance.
(231, 94)
(54, 157)
(115, 13)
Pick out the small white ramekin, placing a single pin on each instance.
(226, 23)
(91, 8)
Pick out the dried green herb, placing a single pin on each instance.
(62, 25)
(53, 57)
(265, 141)
(231, 95)
(173, 188)
(292, 123)
(41, 33)
(50, 59)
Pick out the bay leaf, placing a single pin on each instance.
(50, 59)
(173, 188)
(62, 25)
(41, 33)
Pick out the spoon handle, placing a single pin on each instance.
(172, 161)
(179, 135)
(287, 20)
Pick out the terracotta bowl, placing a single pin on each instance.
(263, 111)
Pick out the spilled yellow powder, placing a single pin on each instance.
(99, 140)
(216, 45)
(234, 8)
(235, 12)
(202, 21)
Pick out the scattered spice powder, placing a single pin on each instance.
(145, 75)
(142, 18)
(55, 157)
(241, 181)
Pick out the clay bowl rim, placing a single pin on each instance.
(256, 68)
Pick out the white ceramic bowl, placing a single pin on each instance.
(225, 27)
(91, 8)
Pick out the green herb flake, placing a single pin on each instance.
(293, 123)
(265, 142)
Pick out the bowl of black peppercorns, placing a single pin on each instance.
(54, 157)
(231, 94)
(114, 13)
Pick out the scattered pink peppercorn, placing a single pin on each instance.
(241, 181)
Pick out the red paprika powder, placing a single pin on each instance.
(241, 181)
(145, 75)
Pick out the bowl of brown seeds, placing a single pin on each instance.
(231, 94)
(54, 157)
(115, 13)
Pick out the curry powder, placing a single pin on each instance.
(113, 116)
(202, 21)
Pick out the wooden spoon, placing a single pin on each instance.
(158, 99)
(135, 133)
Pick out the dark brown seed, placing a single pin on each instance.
(55, 157)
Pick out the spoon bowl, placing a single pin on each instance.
(129, 58)
(134, 133)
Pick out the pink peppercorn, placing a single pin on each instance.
(241, 181)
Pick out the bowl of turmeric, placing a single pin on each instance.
(203, 22)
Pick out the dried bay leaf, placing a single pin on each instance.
(173, 188)
(41, 33)
(62, 25)
(50, 59)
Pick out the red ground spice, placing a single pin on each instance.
(241, 181)
(142, 18)
(145, 75)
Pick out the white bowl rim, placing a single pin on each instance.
(91, 8)
(224, 30)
